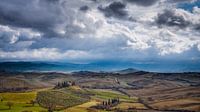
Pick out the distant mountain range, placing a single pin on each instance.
(59, 67)
(117, 67)
(128, 70)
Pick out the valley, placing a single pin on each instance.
(138, 91)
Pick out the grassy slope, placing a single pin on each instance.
(97, 97)
(62, 99)
(104, 95)
(82, 107)
(20, 101)
(18, 97)
(181, 104)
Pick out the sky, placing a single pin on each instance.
(83, 31)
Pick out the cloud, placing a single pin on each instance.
(178, 1)
(12, 39)
(84, 8)
(143, 2)
(115, 9)
(40, 15)
(49, 17)
(197, 27)
(86, 30)
(179, 18)
(47, 54)
(170, 18)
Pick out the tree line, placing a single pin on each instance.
(64, 84)
(106, 105)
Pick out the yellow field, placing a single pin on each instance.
(18, 97)
(83, 107)
(22, 97)
(126, 105)
(75, 88)
(107, 90)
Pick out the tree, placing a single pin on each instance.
(103, 103)
(58, 85)
(109, 101)
(73, 83)
(1, 99)
(9, 104)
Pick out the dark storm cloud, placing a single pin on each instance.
(84, 8)
(52, 1)
(94, 0)
(169, 18)
(40, 15)
(176, 1)
(197, 27)
(115, 9)
(143, 2)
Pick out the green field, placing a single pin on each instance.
(104, 95)
(71, 99)
(20, 101)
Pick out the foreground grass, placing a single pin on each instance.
(18, 97)
(75, 99)
(20, 102)
(20, 107)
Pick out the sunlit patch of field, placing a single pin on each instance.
(20, 102)
(107, 90)
(182, 104)
(18, 97)
(127, 105)
(193, 107)
(75, 88)
(83, 107)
